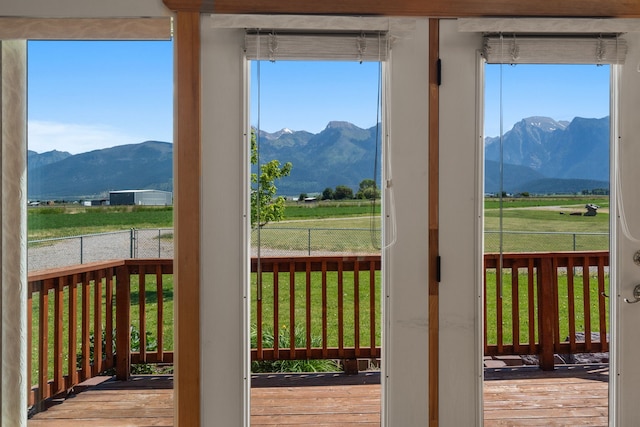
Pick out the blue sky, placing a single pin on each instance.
(84, 96)
(561, 92)
(91, 95)
(308, 95)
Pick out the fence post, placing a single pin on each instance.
(158, 243)
(309, 241)
(81, 249)
(131, 239)
(545, 314)
(123, 322)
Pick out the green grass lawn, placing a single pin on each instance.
(492, 299)
(284, 322)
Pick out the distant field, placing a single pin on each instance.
(523, 219)
(547, 214)
(525, 202)
(331, 209)
(49, 222)
(534, 215)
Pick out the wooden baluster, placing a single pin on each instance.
(324, 309)
(43, 348)
(73, 330)
(109, 318)
(545, 316)
(160, 314)
(86, 322)
(586, 300)
(259, 333)
(532, 305)
(308, 307)
(142, 323)
(340, 310)
(372, 307)
(123, 323)
(58, 379)
(556, 308)
(30, 397)
(97, 323)
(484, 297)
(602, 305)
(571, 295)
(276, 313)
(356, 307)
(515, 308)
(500, 333)
(292, 310)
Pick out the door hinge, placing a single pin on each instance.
(439, 71)
(438, 269)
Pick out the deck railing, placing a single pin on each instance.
(542, 301)
(326, 307)
(313, 308)
(78, 314)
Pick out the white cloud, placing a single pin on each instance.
(45, 136)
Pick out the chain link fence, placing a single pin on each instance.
(279, 241)
(531, 241)
(134, 243)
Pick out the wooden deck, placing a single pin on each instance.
(513, 397)
(527, 396)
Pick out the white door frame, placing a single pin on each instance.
(223, 312)
(625, 371)
(624, 273)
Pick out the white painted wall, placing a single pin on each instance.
(83, 8)
(13, 236)
(460, 227)
(405, 348)
(223, 248)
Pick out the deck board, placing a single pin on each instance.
(513, 397)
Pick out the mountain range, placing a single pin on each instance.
(60, 175)
(540, 155)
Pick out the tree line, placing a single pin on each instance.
(366, 190)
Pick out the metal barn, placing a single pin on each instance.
(141, 198)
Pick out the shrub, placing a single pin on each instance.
(306, 365)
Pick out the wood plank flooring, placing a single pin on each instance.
(526, 396)
(513, 397)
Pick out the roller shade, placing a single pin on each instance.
(334, 46)
(519, 49)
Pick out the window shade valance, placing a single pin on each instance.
(521, 49)
(349, 46)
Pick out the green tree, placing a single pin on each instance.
(343, 192)
(265, 206)
(302, 196)
(327, 194)
(368, 190)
